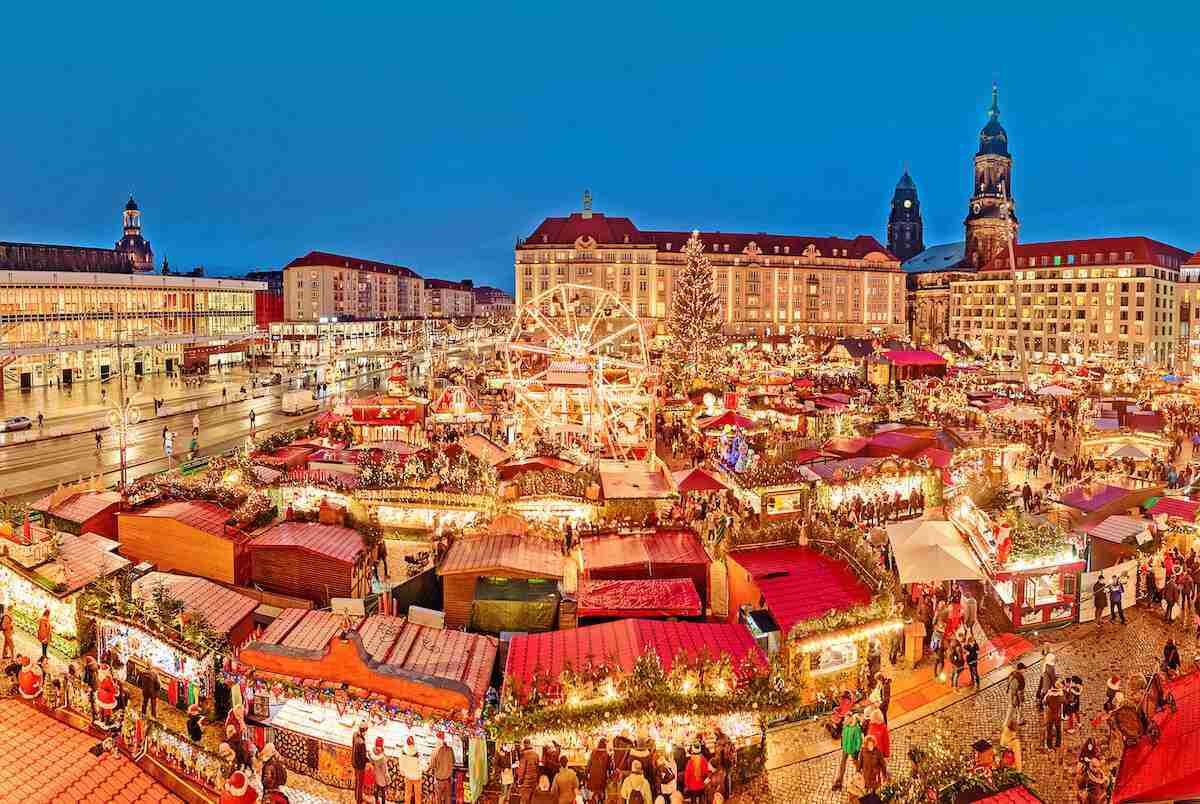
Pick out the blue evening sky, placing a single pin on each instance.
(436, 134)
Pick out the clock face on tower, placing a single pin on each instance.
(907, 203)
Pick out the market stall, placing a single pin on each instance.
(1032, 566)
(317, 676)
(667, 683)
(527, 566)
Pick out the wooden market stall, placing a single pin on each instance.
(192, 536)
(310, 560)
(479, 572)
(76, 511)
(186, 670)
(664, 553)
(317, 674)
(37, 574)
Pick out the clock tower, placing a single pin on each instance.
(905, 237)
(988, 215)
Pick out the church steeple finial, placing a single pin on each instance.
(994, 112)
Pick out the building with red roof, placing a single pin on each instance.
(529, 568)
(621, 642)
(1125, 285)
(227, 612)
(81, 512)
(322, 285)
(763, 278)
(310, 560)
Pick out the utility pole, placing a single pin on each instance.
(1006, 205)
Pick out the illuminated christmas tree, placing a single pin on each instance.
(696, 350)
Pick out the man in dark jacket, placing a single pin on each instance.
(358, 759)
(442, 764)
(528, 770)
(1100, 599)
(150, 689)
(598, 768)
(274, 775)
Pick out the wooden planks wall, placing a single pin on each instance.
(458, 593)
(172, 545)
(296, 572)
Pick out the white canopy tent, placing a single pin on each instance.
(1130, 451)
(1055, 390)
(929, 550)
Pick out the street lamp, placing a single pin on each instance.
(123, 416)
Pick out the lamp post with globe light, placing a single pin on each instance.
(123, 416)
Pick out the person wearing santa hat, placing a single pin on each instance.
(29, 679)
(106, 694)
(380, 764)
(238, 790)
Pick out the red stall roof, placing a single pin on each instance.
(1170, 769)
(658, 597)
(800, 584)
(622, 642)
(496, 554)
(222, 608)
(199, 514)
(1177, 507)
(893, 443)
(329, 541)
(79, 507)
(845, 446)
(915, 358)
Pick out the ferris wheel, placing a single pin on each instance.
(577, 364)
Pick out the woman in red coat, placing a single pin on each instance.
(879, 730)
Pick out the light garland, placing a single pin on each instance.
(814, 644)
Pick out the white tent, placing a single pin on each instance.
(1021, 413)
(928, 550)
(1130, 451)
(1055, 390)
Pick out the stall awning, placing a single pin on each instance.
(927, 550)
(914, 358)
(656, 597)
(622, 642)
(1118, 529)
(661, 548)
(1176, 507)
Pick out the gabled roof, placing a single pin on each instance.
(1195, 260)
(622, 642)
(395, 644)
(800, 584)
(661, 548)
(222, 608)
(916, 357)
(81, 563)
(1167, 769)
(329, 541)
(317, 259)
(1145, 251)
(79, 507)
(1177, 507)
(199, 514)
(497, 554)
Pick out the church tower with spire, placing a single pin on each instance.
(991, 212)
(905, 235)
(141, 256)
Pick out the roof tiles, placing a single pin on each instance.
(221, 608)
(199, 514)
(499, 553)
(331, 541)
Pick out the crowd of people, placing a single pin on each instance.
(628, 771)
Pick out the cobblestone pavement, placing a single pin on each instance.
(1081, 650)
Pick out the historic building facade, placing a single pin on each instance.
(131, 254)
(446, 299)
(769, 284)
(1105, 297)
(990, 222)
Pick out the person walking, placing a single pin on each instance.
(1053, 702)
(41, 419)
(1171, 596)
(150, 687)
(971, 649)
(852, 740)
(412, 769)
(1100, 599)
(1048, 677)
(1115, 593)
(45, 631)
(872, 764)
(1016, 695)
(195, 424)
(6, 629)
(527, 772)
(566, 783)
(358, 759)
(598, 768)
(442, 763)
(382, 778)
(1010, 739)
(251, 420)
